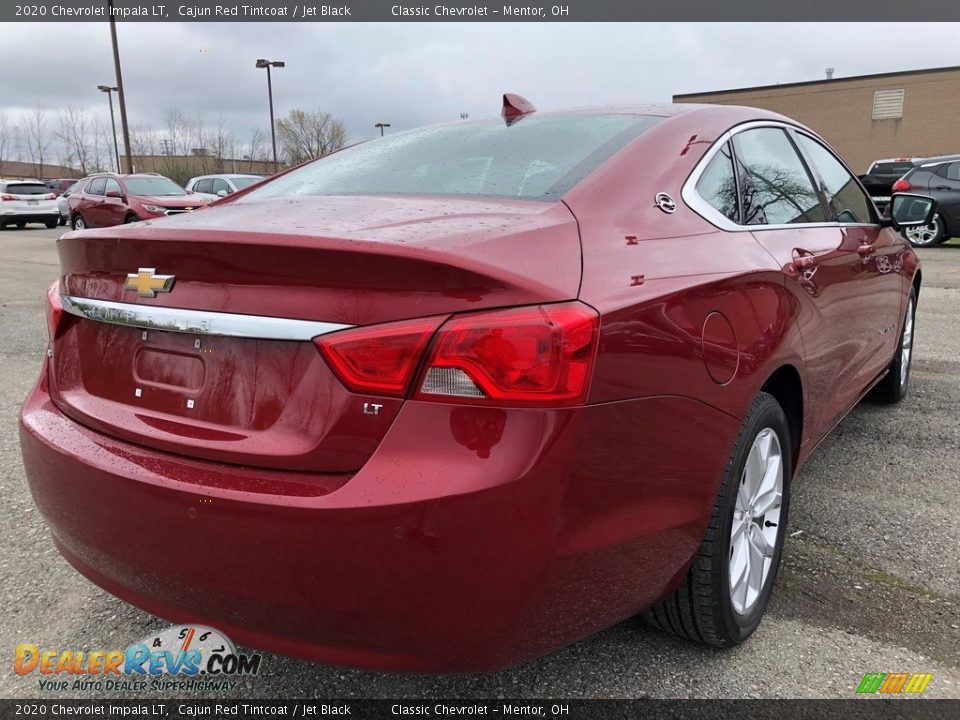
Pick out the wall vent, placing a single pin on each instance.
(887, 104)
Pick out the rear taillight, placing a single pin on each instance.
(902, 185)
(8, 198)
(531, 356)
(54, 310)
(541, 355)
(378, 359)
(50, 196)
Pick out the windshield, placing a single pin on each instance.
(156, 186)
(536, 158)
(241, 182)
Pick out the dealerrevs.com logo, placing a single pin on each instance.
(182, 657)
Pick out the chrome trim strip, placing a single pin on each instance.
(197, 322)
(709, 213)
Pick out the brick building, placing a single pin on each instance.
(899, 114)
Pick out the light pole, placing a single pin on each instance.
(261, 63)
(113, 125)
(382, 126)
(119, 88)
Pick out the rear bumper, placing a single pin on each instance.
(31, 216)
(473, 539)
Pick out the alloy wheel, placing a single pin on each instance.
(925, 234)
(906, 344)
(756, 515)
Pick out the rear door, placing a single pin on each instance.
(880, 254)
(789, 218)
(91, 204)
(114, 207)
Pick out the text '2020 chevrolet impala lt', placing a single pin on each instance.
(454, 398)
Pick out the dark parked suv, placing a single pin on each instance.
(882, 174)
(939, 179)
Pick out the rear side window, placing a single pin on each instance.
(534, 158)
(953, 171)
(847, 202)
(774, 184)
(96, 186)
(717, 185)
(28, 189)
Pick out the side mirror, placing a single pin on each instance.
(114, 194)
(222, 193)
(909, 210)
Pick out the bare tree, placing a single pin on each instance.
(142, 141)
(221, 141)
(74, 133)
(36, 136)
(305, 135)
(177, 141)
(255, 148)
(101, 146)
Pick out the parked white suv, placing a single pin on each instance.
(222, 185)
(27, 201)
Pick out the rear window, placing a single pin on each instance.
(536, 158)
(28, 189)
(892, 168)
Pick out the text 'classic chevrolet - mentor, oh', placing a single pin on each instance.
(453, 398)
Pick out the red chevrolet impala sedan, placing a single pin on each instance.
(454, 398)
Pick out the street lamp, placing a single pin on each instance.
(382, 126)
(113, 125)
(261, 63)
(121, 97)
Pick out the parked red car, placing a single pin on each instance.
(455, 398)
(107, 199)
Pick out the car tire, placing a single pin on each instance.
(62, 221)
(130, 219)
(78, 223)
(893, 388)
(51, 224)
(20, 225)
(710, 606)
(927, 235)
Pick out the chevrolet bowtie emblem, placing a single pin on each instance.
(147, 283)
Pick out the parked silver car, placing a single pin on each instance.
(222, 185)
(62, 205)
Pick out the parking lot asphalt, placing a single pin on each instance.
(870, 580)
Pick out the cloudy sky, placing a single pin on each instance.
(412, 74)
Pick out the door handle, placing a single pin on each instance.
(865, 249)
(942, 187)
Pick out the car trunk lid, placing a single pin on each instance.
(220, 363)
